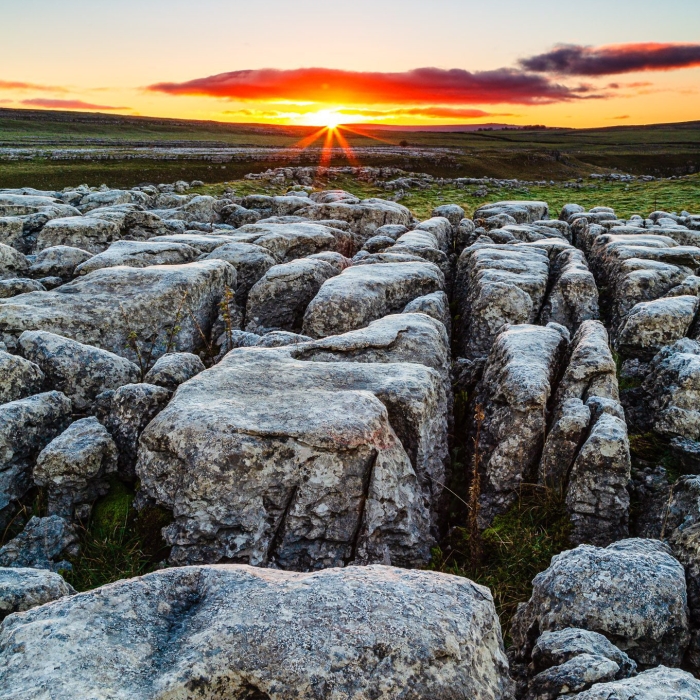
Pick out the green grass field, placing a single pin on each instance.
(627, 199)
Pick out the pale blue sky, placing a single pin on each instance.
(122, 45)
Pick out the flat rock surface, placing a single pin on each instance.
(236, 631)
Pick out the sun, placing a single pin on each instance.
(329, 118)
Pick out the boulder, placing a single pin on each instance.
(41, 545)
(199, 241)
(251, 263)
(338, 261)
(242, 632)
(633, 592)
(364, 217)
(514, 392)
(12, 263)
(435, 305)
(286, 242)
(441, 228)
(524, 212)
(23, 589)
(597, 498)
(19, 378)
(571, 660)
(299, 464)
(80, 371)
(496, 285)
(173, 369)
(452, 212)
(73, 467)
(14, 287)
(278, 339)
(125, 414)
(362, 294)
(91, 234)
(138, 254)
(279, 299)
(672, 390)
(26, 427)
(136, 313)
(573, 295)
(406, 337)
(651, 325)
(685, 542)
(656, 684)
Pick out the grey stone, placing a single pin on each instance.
(80, 371)
(338, 261)
(122, 308)
(138, 254)
(237, 632)
(633, 592)
(496, 285)
(376, 244)
(172, 369)
(280, 298)
(452, 212)
(651, 325)
(129, 410)
(73, 467)
(23, 589)
(672, 390)
(41, 545)
(286, 242)
(58, 261)
(26, 427)
(88, 233)
(251, 263)
(278, 339)
(556, 648)
(523, 212)
(591, 371)
(364, 217)
(435, 305)
(19, 378)
(12, 263)
(657, 684)
(578, 673)
(514, 391)
(199, 241)
(14, 287)
(685, 542)
(597, 496)
(298, 463)
(362, 294)
(573, 297)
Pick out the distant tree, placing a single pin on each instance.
(403, 143)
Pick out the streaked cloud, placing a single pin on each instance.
(19, 85)
(69, 104)
(575, 60)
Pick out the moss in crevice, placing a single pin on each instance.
(518, 545)
(117, 542)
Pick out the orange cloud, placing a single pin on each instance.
(426, 86)
(68, 104)
(18, 85)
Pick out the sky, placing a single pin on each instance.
(555, 62)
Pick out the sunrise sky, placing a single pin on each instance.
(554, 62)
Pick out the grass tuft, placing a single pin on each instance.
(518, 546)
(117, 542)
